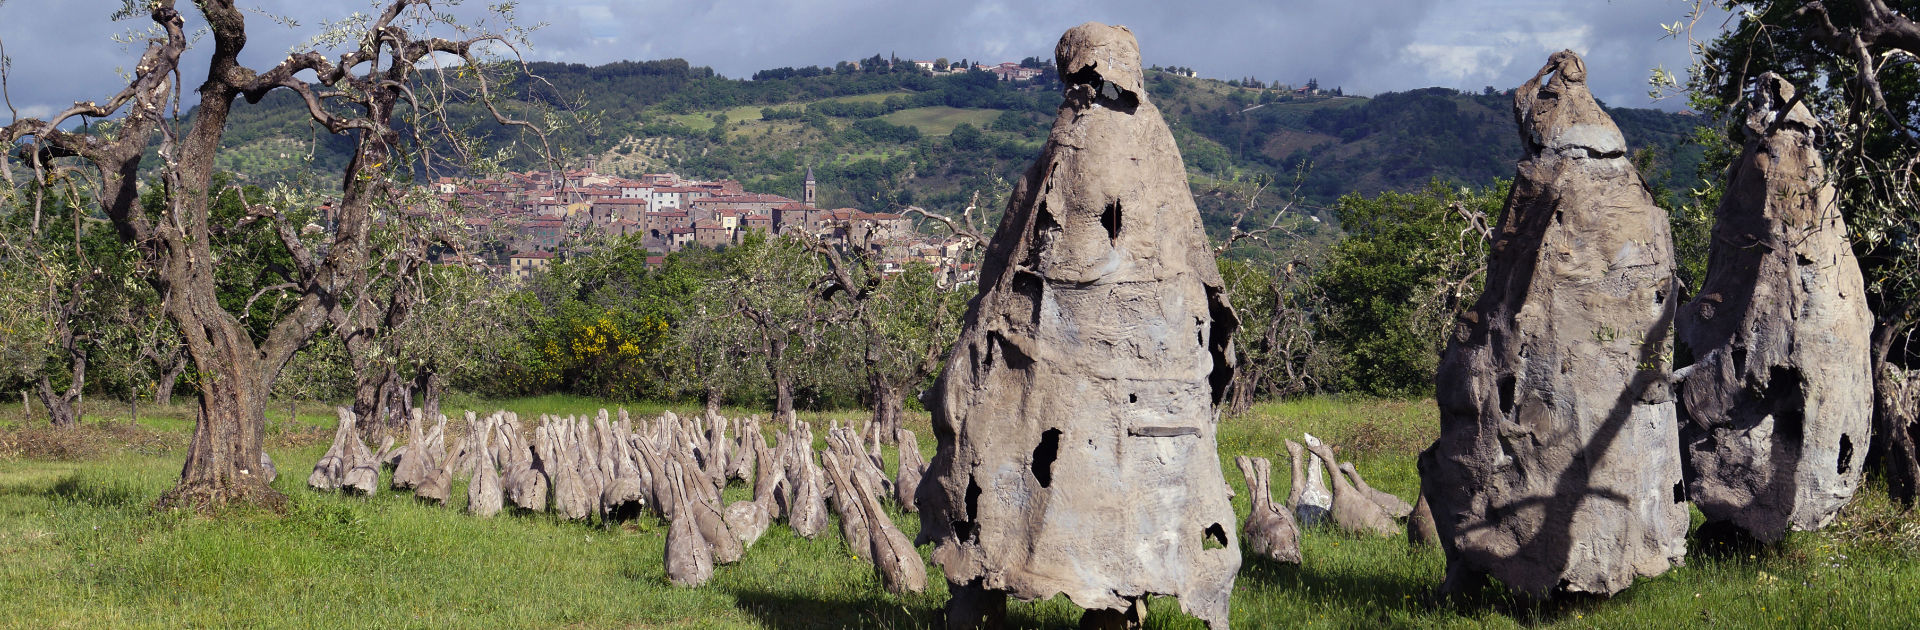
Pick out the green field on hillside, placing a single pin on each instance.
(80, 547)
(940, 121)
(750, 114)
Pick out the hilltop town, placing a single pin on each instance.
(537, 216)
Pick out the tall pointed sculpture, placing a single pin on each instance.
(1077, 413)
(1558, 462)
(1778, 407)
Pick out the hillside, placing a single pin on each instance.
(886, 138)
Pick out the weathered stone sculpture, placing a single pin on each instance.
(911, 467)
(853, 515)
(807, 514)
(1076, 415)
(1309, 498)
(895, 558)
(1353, 510)
(689, 561)
(1777, 409)
(484, 496)
(1270, 531)
(1420, 529)
(1395, 506)
(1558, 463)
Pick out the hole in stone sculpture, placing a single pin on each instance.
(1846, 453)
(964, 530)
(1783, 395)
(1679, 492)
(1739, 358)
(1030, 287)
(1043, 456)
(1506, 394)
(1219, 343)
(1133, 398)
(1009, 353)
(1111, 220)
(1215, 537)
(1043, 220)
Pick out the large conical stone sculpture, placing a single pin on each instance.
(1076, 415)
(1779, 405)
(1558, 462)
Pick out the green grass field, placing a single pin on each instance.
(80, 547)
(940, 121)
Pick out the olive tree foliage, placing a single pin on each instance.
(771, 283)
(897, 325)
(65, 299)
(1267, 272)
(374, 84)
(1857, 66)
(713, 350)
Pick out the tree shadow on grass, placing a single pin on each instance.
(789, 611)
(1377, 593)
(876, 609)
(80, 490)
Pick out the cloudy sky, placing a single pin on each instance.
(64, 50)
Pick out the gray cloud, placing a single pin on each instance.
(62, 49)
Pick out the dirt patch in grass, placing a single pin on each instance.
(91, 440)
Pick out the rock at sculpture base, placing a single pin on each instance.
(1778, 409)
(1558, 463)
(1076, 415)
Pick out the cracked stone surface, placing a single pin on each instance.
(1076, 417)
(1778, 409)
(1558, 462)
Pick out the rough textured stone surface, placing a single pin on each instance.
(1310, 500)
(521, 477)
(1558, 462)
(853, 515)
(1420, 530)
(485, 498)
(689, 561)
(1076, 416)
(332, 467)
(911, 467)
(1777, 410)
(807, 514)
(894, 557)
(1270, 530)
(1395, 506)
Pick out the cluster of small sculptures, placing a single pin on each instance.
(1076, 417)
(616, 468)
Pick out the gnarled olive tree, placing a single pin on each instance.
(368, 92)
